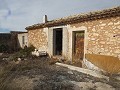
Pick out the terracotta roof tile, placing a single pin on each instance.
(78, 18)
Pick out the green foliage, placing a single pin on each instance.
(4, 48)
(22, 53)
(27, 50)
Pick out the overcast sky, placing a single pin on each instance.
(15, 15)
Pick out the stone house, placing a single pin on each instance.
(74, 36)
(22, 39)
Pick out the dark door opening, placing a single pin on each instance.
(57, 41)
(78, 45)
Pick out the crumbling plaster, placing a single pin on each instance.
(20, 40)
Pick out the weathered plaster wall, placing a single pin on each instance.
(99, 36)
(38, 38)
(20, 42)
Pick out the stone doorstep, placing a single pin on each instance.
(85, 71)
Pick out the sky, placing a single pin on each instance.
(15, 15)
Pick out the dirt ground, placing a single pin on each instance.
(41, 74)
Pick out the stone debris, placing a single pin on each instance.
(86, 71)
(70, 72)
(39, 53)
(92, 86)
(19, 59)
(38, 74)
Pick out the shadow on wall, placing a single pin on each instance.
(108, 63)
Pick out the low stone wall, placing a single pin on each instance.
(109, 64)
(89, 65)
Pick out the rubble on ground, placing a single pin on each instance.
(39, 74)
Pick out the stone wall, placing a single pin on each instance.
(38, 38)
(103, 63)
(101, 37)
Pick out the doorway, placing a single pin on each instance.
(78, 45)
(57, 41)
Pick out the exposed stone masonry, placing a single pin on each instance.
(103, 36)
(102, 33)
(37, 38)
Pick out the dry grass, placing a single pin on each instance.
(108, 63)
(38, 74)
(10, 70)
(33, 74)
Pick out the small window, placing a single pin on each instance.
(23, 39)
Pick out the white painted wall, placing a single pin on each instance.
(64, 38)
(65, 43)
(67, 40)
(50, 41)
(21, 45)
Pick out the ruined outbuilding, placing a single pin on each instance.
(22, 39)
(8, 41)
(13, 41)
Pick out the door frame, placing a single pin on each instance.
(54, 40)
(73, 42)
